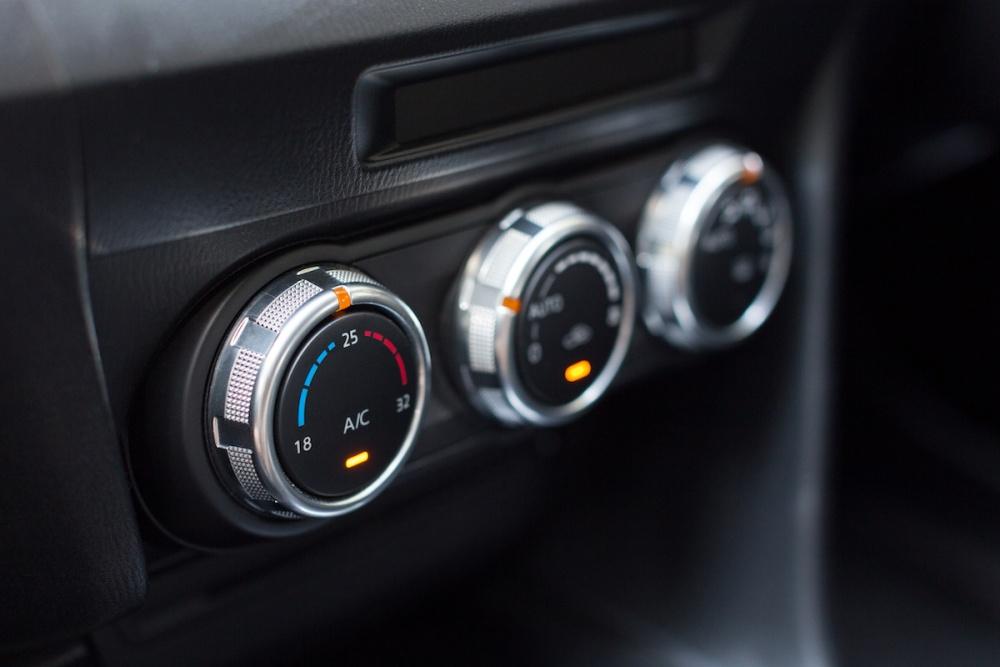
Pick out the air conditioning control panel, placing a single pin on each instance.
(299, 391)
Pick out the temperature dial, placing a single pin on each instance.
(317, 393)
(714, 248)
(544, 314)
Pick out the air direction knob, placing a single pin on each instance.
(714, 248)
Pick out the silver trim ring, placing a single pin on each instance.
(670, 228)
(511, 252)
(277, 356)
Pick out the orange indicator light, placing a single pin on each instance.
(578, 371)
(753, 168)
(356, 460)
(512, 304)
(343, 297)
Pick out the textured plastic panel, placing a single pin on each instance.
(279, 310)
(482, 332)
(497, 264)
(348, 276)
(242, 462)
(239, 389)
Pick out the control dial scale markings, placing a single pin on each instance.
(573, 313)
(714, 248)
(733, 255)
(347, 404)
(544, 315)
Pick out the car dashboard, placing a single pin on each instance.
(543, 332)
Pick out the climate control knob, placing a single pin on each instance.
(317, 393)
(714, 248)
(544, 314)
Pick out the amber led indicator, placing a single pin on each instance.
(577, 371)
(356, 460)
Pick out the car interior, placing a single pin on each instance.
(524, 332)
